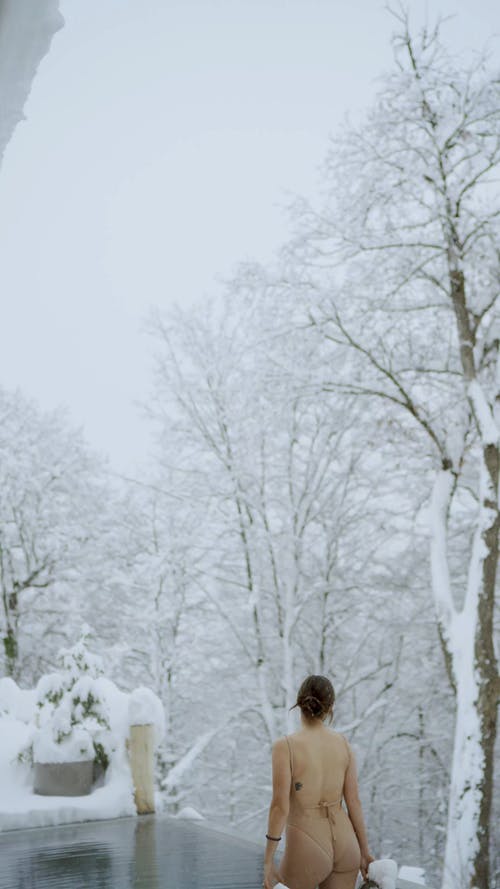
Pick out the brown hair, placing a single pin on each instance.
(315, 697)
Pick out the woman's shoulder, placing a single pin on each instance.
(341, 737)
(293, 735)
(345, 745)
(341, 742)
(281, 743)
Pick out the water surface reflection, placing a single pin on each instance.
(129, 853)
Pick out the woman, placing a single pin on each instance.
(313, 770)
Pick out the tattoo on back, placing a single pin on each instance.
(298, 785)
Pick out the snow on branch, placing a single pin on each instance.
(490, 434)
(355, 723)
(438, 518)
(176, 772)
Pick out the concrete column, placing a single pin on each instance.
(141, 750)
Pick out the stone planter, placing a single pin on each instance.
(64, 778)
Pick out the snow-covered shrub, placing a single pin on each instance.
(72, 720)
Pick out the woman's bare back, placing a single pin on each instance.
(320, 761)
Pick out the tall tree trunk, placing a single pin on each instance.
(474, 664)
(10, 638)
(485, 665)
(467, 636)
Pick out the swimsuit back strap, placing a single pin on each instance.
(325, 809)
(290, 753)
(348, 750)
(325, 805)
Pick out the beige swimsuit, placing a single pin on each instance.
(321, 846)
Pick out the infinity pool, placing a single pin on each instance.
(129, 853)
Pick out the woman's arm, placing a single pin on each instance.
(278, 810)
(353, 802)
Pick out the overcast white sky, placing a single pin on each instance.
(161, 140)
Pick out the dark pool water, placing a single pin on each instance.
(129, 853)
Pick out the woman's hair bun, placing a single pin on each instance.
(312, 705)
(316, 697)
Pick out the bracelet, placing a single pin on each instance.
(274, 839)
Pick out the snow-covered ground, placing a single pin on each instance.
(20, 807)
(415, 875)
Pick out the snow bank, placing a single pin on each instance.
(28, 720)
(17, 702)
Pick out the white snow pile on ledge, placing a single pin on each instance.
(19, 806)
(189, 814)
(145, 708)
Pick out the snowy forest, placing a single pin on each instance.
(324, 496)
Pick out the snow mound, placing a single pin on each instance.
(190, 814)
(117, 703)
(16, 702)
(145, 708)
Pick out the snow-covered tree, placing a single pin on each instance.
(152, 571)
(51, 516)
(400, 271)
(282, 491)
